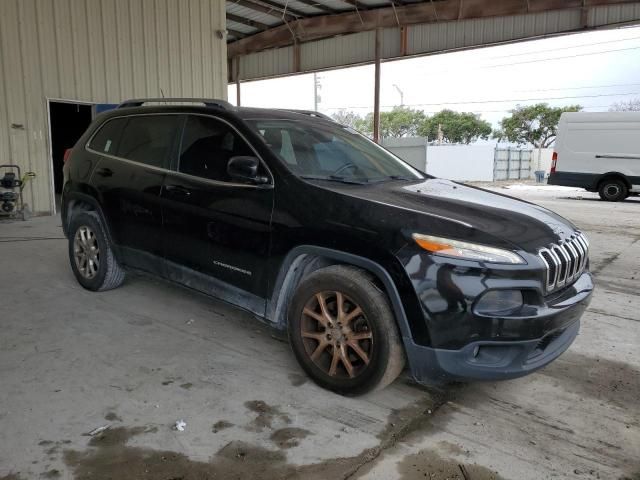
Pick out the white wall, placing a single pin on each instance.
(411, 150)
(454, 162)
(461, 162)
(98, 51)
(545, 160)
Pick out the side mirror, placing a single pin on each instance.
(245, 169)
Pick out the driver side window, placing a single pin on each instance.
(206, 147)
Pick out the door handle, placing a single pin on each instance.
(179, 189)
(105, 172)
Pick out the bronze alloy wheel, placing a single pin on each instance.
(336, 334)
(86, 252)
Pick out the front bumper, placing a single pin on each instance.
(498, 359)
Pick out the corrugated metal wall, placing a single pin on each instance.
(358, 48)
(98, 51)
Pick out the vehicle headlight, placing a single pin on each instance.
(466, 250)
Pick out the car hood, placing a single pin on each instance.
(445, 206)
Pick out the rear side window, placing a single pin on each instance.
(108, 136)
(149, 139)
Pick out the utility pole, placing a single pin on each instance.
(317, 86)
(376, 89)
(401, 94)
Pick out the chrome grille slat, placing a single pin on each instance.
(578, 246)
(573, 264)
(565, 262)
(585, 248)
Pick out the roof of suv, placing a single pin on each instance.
(209, 105)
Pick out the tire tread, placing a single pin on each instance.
(361, 279)
(115, 274)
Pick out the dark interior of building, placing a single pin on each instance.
(68, 122)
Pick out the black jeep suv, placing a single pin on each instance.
(314, 228)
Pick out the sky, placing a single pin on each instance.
(593, 69)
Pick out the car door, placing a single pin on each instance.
(217, 231)
(135, 154)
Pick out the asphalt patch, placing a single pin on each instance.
(289, 437)
(429, 465)
(108, 460)
(108, 456)
(633, 476)
(112, 417)
(221, 425)
(265, 415)
(116, 436)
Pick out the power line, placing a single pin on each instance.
(563, 48)
(531, 99)
(559, 58)
(470, 111)
(509, 100)
(441, 73)
(579, 88)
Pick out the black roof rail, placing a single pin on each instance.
(209, 102)
(310, 113)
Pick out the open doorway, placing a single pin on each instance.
(68, 121)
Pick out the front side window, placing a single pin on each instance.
(107, 138)
(325, 151)
(207, 146)
(149, 139)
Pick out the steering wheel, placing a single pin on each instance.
(344, 167)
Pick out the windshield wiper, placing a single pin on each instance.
(401, 177)
(336, 178)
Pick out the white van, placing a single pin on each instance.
(599, 152)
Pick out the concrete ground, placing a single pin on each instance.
(141, 357)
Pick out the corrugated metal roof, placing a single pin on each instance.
(424, 38)
(245, 12)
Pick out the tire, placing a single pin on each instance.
(317, 338)
(87, 239)
(613, 190)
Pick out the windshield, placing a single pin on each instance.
(331, 152)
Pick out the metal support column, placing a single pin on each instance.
(376, 91)
(237, 75)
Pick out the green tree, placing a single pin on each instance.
(632, 105)
(534, 124)
(399, 122)
(348, 118)
(456, 127)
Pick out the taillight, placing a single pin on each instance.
(67, 154)
(554, 162)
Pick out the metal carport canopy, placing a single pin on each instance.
(269, 38)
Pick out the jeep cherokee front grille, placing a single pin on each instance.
(565, 261)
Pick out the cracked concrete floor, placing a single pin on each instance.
(145, 355)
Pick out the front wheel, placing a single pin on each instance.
(92, 260)
(613, 190)
(343, 332)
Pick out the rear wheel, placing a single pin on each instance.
(92, 260)
(613, 190)
(343, 331)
